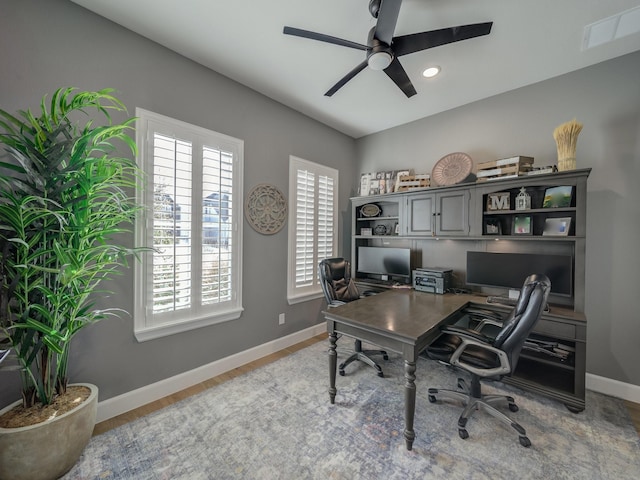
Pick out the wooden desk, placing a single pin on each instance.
(404, 321)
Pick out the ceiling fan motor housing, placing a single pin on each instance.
(379, 55)
(374, 8)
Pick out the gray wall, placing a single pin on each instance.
(48, 44)
(606, 98)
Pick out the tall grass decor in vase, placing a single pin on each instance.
(67, 183)
(566, 137)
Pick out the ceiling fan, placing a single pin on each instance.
(383, 49)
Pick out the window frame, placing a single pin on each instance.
(147, 325)
(297, 294)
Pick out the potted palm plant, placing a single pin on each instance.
(66, 197)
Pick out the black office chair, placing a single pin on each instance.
(490, 358)
(339, 288)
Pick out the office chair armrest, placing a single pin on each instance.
(336, 303)
(466, 333)
(483, 312)
(456, 360)
(484, 317)
(487, 321)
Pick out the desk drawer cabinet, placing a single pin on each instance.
(555, 329)
(554, 362)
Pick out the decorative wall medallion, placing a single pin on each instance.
(266, 209)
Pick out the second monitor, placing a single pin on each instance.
(384, 263)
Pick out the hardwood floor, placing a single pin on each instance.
(634, 411)
(176, 397)
(634, 408)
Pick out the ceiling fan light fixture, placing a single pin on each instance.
(379, 60)
(431, 72)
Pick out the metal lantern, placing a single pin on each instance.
(523, 200)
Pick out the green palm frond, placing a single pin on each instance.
(65, 194)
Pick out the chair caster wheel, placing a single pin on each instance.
(341, 372)
(385, 356)
(525, 442)
(381, 374)
(432, 399)
(464, 434)
(513, 407)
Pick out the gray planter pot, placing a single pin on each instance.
(48, 450)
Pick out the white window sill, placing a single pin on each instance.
(162, 330)
(292, 300)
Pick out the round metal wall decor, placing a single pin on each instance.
(266, 209)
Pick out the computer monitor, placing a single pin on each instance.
(392, 262)
(509, 270)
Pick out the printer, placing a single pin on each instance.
(432, 280)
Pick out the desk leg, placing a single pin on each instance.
(333, 361)
(409, 402)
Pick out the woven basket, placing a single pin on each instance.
(567, 163)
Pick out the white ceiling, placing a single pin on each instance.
(531, 40)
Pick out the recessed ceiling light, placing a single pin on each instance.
(431, 72)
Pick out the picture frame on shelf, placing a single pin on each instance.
(557, 197)
(374, 186)
(365, 181)
(522, 225)
(366, 232)
(492, 226)
(557, 226)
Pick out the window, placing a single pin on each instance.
(313, 233)
(193, 222)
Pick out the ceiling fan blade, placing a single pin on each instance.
(387, 19)
(321, 37)
(415, 42)
(345, 79)
(396, 73)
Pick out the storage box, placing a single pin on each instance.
(504, 168)
(418, 181)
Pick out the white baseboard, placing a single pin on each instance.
(614, 388)
(126, 402)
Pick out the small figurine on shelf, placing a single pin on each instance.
(523, 200)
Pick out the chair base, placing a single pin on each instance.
(474, 400)
(361, 355)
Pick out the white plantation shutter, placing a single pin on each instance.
(312, 225)
(192, 195)
(217, 274)
(171, 279)
(305, 228)
(326, 218)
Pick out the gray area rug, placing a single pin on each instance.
(277, 423)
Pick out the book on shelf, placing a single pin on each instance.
(542, 170)
(506, 162)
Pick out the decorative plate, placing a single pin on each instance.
(370, 210)
(452, 168)
(266, 209)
